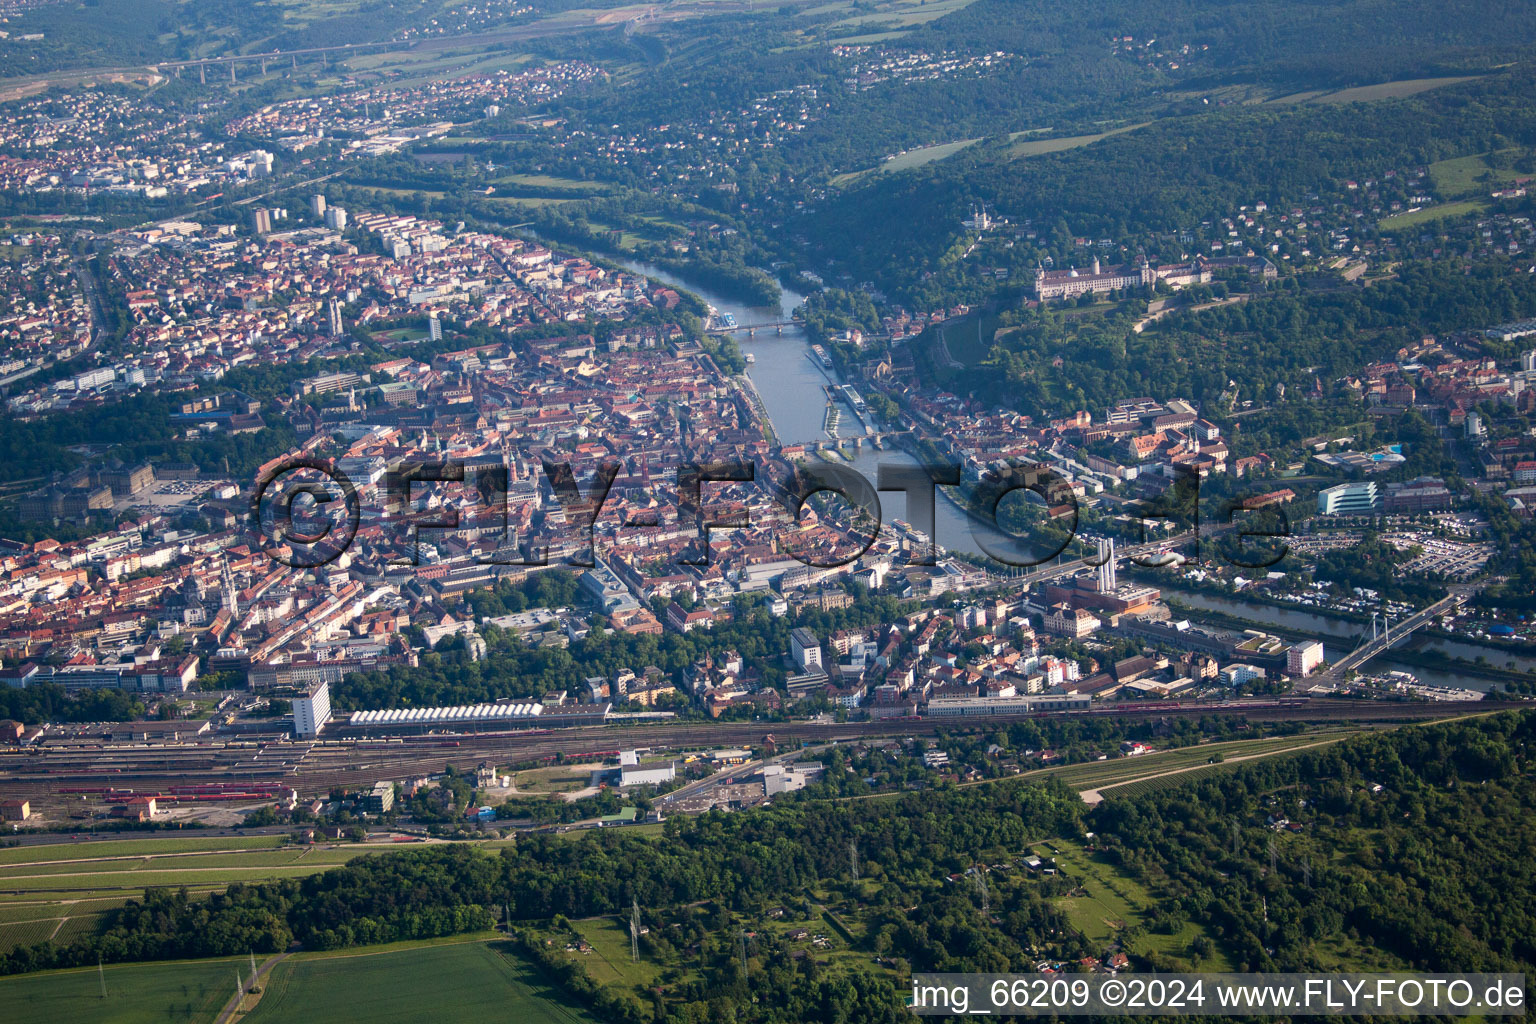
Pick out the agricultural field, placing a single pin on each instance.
(407, 68)
(895, 15)
(158, 993)
(486, 982)
(65, 891)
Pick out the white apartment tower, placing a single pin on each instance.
(312, 712)
(804, 648)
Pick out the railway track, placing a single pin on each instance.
(317, 768)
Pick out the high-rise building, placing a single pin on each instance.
(317, 205)
(1528, 360)
(1305, 656)
(333, 311)
(310, 713)
(804, 648)
(434, 328)
(261, 220)
(336, 218)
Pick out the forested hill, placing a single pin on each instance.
(1052, 362)
(1411, 850)
(1402, 850)
(1140, 186)
(1309, 43)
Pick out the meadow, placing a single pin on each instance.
(1429, 214)
(1020, 146)
(1109, 900)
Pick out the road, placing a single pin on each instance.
(1397, 632)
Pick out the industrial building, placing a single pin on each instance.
(473, 718)
(972, 707)
(633, 773)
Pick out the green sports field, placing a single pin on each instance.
(468, 982)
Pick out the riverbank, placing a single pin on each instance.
(1407, 656)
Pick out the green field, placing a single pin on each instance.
(1101, 775)
(160, 993)
(1379, 91)
(1472, 175)
(551, 780)
(65, 891)
(550, 181)
(1020, 145)
(969, 339)
(1039, 147)
(135, 847)
(1430, 214)
(609, 961)
(1109, 900)
(443, 984)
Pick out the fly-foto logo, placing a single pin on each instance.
(306, 512)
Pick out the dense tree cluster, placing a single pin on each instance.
(1412, 849)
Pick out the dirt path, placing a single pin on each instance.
(236, 1004)
(136, 856)
(1094, 796)
(1150, 318)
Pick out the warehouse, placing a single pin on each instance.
(968, 707)
(632, 773)
(495, 717)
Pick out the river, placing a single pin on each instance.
(791, 382)
(1339, 637)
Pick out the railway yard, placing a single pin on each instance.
(254, 767)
